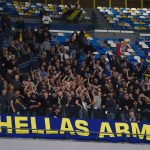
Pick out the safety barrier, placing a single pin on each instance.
(71, 128)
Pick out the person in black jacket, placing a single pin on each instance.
(33, 104)
(83, 102)
(111, 107)
(39, 39)
(47, 102)
(60, 102)
(20, 24)
(6, 24)
(17, 104)
(71, 109)
(4, 102)
(126, 105)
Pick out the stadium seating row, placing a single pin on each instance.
(127, 18)
(139, 48)
(31, 9)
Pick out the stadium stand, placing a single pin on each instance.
(43, 80)
(72, 74)
(127, 18)
(29, 9)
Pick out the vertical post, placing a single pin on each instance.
(109, 3)
(62, 2)
(126, 3)
(94, 4)
(46, 2)
(142, 3)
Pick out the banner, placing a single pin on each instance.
(122, 48)
(78, 129)
(72, 14)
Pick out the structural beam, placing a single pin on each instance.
(62, 2)
(46, 2)
(142, 3)
(94, 4)
(110, 3)
(126, 3)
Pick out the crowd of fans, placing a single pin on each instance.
(68, 80)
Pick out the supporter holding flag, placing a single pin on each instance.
(121, 48)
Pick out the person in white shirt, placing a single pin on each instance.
(46, 20)
(97, 103)
(63, 55)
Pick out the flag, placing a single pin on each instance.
(121, 48)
